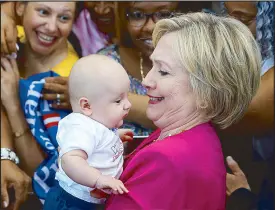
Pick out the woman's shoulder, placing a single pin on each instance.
(110, 51)
(190, 146)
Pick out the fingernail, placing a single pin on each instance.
(5, 204)
(14, 55)
(229, 159)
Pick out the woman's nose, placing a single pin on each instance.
(148, 82)
(51, 24)
(102, 8)
(149, 25)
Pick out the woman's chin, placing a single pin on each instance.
(41, 50)
(150, 114)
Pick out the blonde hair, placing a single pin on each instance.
(223, 61)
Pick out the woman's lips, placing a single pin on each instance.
(155, 100)
(45, 40)
(104, 20)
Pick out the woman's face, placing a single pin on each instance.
(168, 85)
(140, 30)
(102, 13)
(47, 24)
(245, 12)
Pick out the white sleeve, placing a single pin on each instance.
(76, 138)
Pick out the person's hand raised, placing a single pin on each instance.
(8, 35)
(237, 179)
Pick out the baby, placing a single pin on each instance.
(91, 154)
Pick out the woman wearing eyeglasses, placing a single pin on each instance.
(136, 21)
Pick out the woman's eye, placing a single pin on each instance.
(64, 18)
(43, 12)
(137, 15)
(163, 73)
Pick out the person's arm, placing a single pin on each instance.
(11, 174)
(76, 167)
(259, 117)
(238, 189)
(6, 135)
(26, 147)
(137, 112)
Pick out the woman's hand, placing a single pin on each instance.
(56, 89)
(12, 176)
(9, 83)
(8, 34)
(237, 179)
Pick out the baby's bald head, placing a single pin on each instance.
(92, 76)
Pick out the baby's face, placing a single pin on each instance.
(113, 105)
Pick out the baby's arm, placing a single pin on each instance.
(76, 167)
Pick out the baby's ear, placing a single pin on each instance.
(85, 106)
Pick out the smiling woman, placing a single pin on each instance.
(43, 47)
(192, 85)
(47, 27)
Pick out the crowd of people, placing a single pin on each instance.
(199, 76)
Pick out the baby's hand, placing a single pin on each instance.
(125, 134)
(115, 185)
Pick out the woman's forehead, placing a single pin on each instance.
(59, 6)
(152, 5)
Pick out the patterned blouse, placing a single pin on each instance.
(135, 87)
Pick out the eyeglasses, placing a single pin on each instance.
(139, 18)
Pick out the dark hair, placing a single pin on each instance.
(79, 6)
(194, 6)
(121, 24)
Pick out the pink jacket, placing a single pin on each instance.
(183, 172)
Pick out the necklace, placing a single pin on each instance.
(141, 66)
(170, 134)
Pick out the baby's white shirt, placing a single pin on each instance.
(103, 147)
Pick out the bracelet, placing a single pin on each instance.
(8, 154)
(18, 134)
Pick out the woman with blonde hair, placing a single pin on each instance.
(192, 85)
